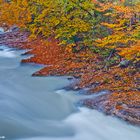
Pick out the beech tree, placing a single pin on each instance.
(79, 24)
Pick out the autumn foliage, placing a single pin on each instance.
(79, 23)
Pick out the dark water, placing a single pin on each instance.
(34, 108)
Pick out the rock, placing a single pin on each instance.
(117, 77)
(124, 63)
(129, 113)
(70, 78)
(137, 64)
(14, 29)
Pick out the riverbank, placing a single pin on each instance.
(122, 101)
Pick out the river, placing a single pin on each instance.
(37, 108)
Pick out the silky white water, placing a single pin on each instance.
(35, 108)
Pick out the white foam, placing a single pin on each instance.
(92, 125)
(7, 53)
(1, 30)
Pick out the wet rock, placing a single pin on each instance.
(130, 113)
(70, 78)
(137, 64)
(14, 29)
(124, 63)
(117, 77)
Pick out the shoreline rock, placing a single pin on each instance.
(104, 103)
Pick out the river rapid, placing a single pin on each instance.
(37, 108)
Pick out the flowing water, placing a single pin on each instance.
(35, 108)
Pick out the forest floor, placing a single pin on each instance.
(122, 84)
